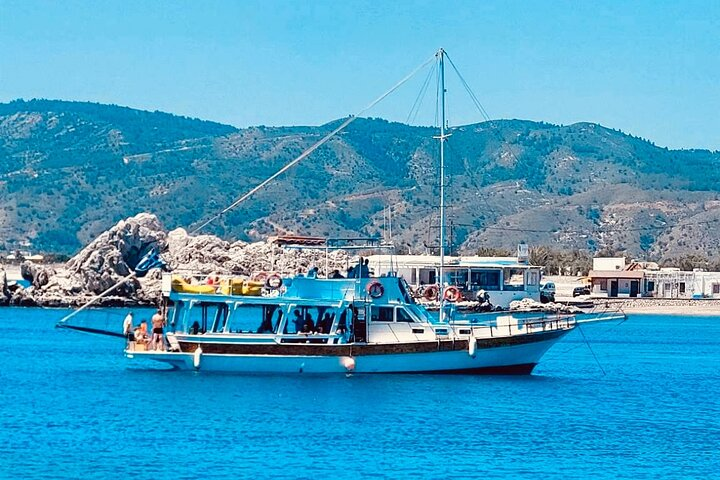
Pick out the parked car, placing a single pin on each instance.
(584, 290)
(548, 288)
(547, 292)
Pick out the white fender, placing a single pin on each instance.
(472, 346)
(196, 358)
(348, 363)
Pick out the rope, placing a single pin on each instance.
(94, 300)
(420, 97)
(244, 197)
(314, 147)
(591, 350)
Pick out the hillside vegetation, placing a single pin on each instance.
(69, 170)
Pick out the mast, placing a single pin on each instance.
(441, 58)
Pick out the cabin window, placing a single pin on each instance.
(427, 276)
(485, 279)
(206, 317)
(513, 279)
(533, 278)
(310, 320)
(458, 278)
(176, 317)
(381, 314)
(247, 319)
(402, 315)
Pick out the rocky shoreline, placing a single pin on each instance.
(115, 254)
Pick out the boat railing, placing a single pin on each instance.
(513, 326)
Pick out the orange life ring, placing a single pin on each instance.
(375, 289)
(274, 281)
(430, 293)
(452, 294)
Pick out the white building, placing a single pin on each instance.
(505, 279)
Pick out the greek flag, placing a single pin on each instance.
(151, 260)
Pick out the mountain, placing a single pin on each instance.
(69, 170)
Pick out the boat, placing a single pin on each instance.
(344, 325)
(360, 324)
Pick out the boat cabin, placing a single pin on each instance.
(303, 310)
(504, 279)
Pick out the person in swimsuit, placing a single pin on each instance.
(158, 322)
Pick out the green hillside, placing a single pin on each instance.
(69, 170)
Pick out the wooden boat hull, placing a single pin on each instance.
(504, 355)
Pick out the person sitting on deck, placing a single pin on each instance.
(143, 330)
(195, 328)
(308, 325)
(336, 274)
(313, 272)
(140, 339)
(266, 325)
(324, 325)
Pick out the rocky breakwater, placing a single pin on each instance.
(102, 264)
(115, 253)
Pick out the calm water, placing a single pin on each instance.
(70, 408)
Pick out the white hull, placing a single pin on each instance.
(512, 359)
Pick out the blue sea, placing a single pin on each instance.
(638, 399)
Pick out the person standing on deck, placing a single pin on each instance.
(158, 322)
(128, 331)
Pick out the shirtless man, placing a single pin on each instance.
(158, 322)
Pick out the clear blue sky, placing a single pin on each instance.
(650, 68)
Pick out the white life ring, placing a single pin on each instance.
(274, 282)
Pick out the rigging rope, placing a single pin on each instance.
(480, 108)
(314, 147)
(420, 97)
(247, 195)
(95, 299)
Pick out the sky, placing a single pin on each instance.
(648, 68)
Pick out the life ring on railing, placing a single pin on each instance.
(274, 282)
(375, 289)
(212, 279)
(452, 294)
(430, 293)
